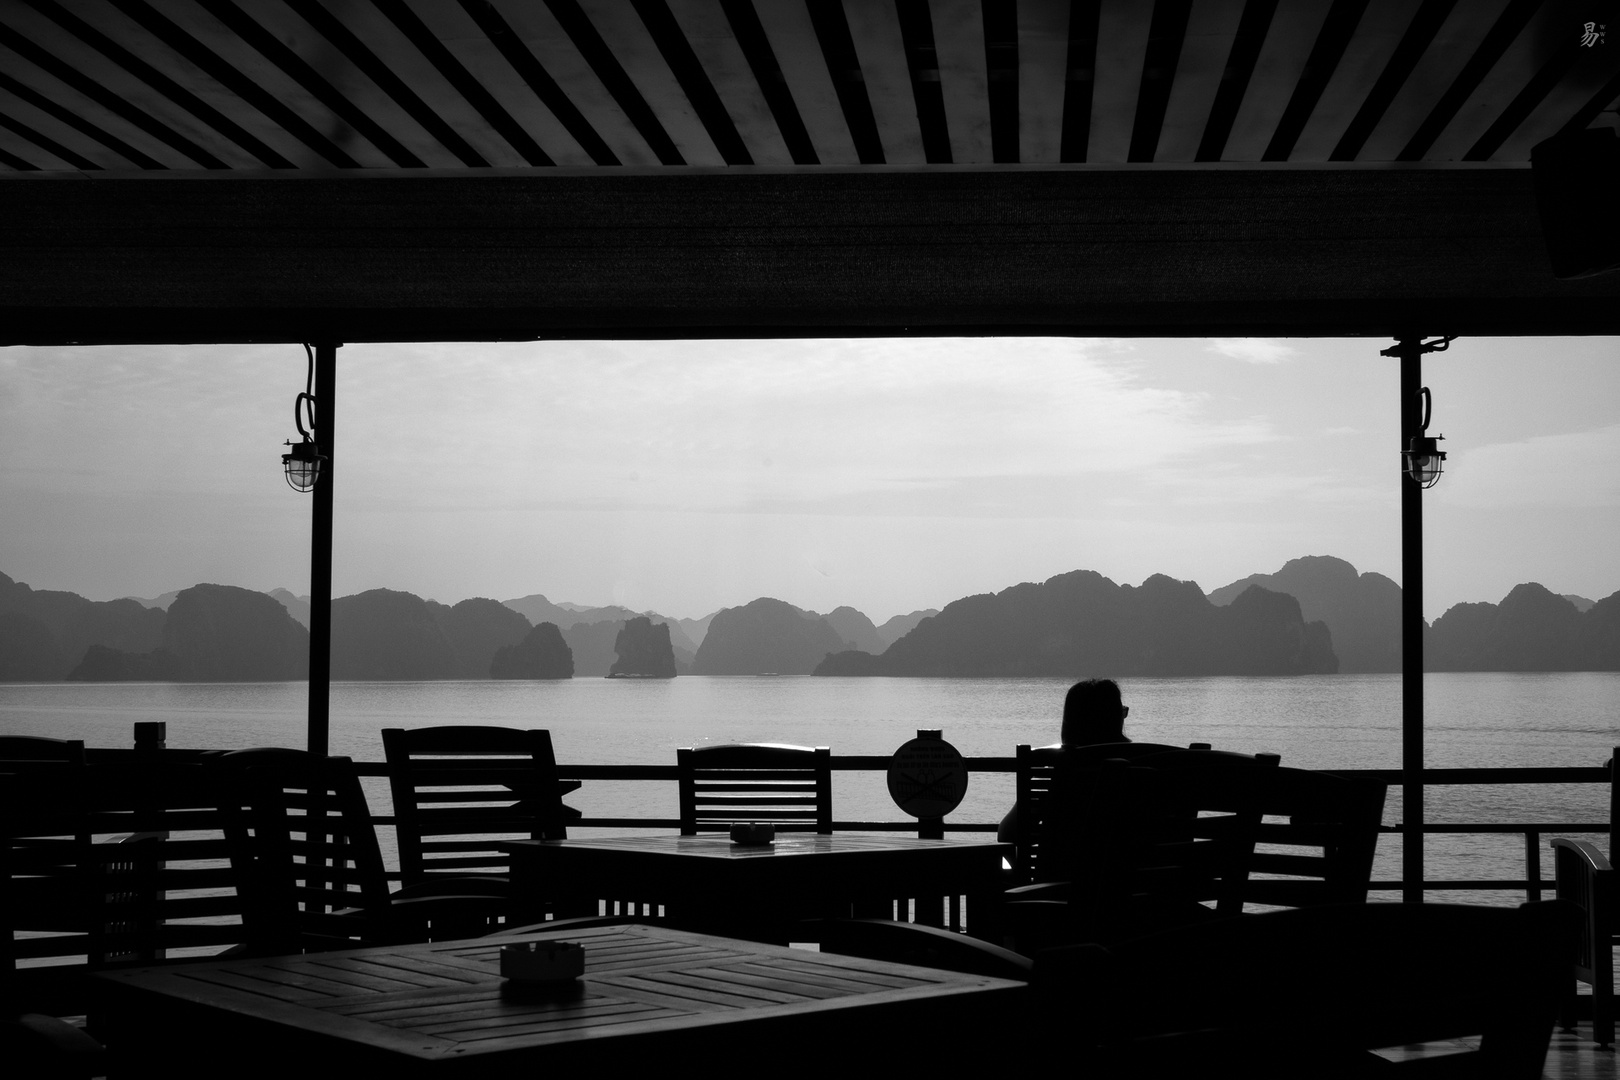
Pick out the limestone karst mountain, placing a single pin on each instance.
(477, 629)
(386, 634)
(856, 629)
(1300, 618)
(644, 650)
(901, 625)
(221, 633)
(1082, 623)
(542, 654)
(537, 609)
(1532, 629)
(765, 637)
(1362, 611)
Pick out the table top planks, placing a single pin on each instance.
(709, 882)
(786, 845)
(423, 1007)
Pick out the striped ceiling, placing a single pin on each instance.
(137, 86)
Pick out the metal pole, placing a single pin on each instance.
(320, 555)
(1410, 351)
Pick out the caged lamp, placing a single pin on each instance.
(1424, 458)
(302, 462)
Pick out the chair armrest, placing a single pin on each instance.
(468, 885)
(912, 943)
(440, 917)
(581, 922)
(1046, 890)
(1583, 851)
(37, 1045)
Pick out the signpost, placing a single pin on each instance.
(927, 779)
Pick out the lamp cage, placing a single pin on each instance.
(1425, 460)
(303, 465)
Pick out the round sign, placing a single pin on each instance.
(927, 777)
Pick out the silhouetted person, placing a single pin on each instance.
(1093, 713)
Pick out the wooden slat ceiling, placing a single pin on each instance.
(116, 86)
(521, 168)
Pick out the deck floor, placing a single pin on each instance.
(1572, 1054)
(1577, 1056)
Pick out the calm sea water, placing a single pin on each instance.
(1339, 721)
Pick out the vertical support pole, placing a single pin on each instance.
(1410, 351)
(320, 555)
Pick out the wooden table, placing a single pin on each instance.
(801, 875)
(443, 1008)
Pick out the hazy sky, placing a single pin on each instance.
(890, 474)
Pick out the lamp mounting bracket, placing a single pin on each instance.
(1416, 346)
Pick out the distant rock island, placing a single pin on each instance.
(1362, 611)
(1082, 623)
(766, 637)
(1315, 614)
(901, 625)
(209, 633)
(643, 650)
(684, 634)
(542, 654)
(220, 633)
(1532, 629)
(45, 633)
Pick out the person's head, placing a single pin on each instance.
(1093, 713)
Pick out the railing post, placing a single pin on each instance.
(1532, 865)
(1614, 805)
(151, 736)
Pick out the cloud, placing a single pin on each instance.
(758, 424)
(1254, 350)
(1579, 468)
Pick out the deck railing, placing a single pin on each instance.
(1532, 832)
(1531, 884)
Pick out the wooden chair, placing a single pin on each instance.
(1316, 835)
(1194, 837)
(789, 787)
(115, 863)
(1314, 991)
(1316, 839)
(44, 889)
(1586, 880)
(460, 790)
(1037, 769)
(122, 862)
(1144, 847)
(41, 903)
(303, 845)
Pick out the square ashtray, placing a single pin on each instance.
(542, 961)
(753, 834)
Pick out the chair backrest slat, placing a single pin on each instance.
(1036, 772)
(495, 782)
(788, 786)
